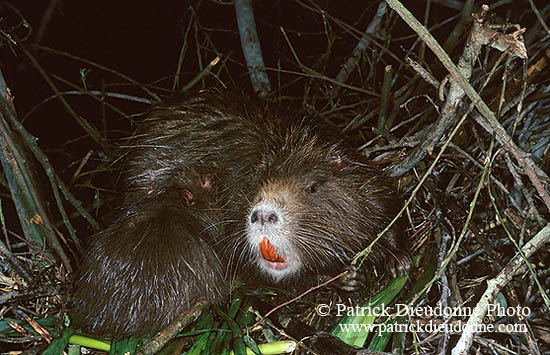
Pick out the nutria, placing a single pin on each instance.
(220, 187)
(314, 205)
(145, 270)
(162, 252)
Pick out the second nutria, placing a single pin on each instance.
(163, 251)
(149, 266)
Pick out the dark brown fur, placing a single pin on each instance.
(195, 172)
(163, 252)
(318, 205)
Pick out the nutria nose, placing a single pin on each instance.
(264, 216)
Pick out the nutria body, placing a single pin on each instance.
(219, 187)
(146, 269)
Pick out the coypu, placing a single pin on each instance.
(146, 269)
(314, 207)
(161, 254)
(220, 187)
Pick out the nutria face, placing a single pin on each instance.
(314, 209)
(310, 222)
(313, 223)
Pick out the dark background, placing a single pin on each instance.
(143, 41)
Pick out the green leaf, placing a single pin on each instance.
(125, 346)
(88, 342)
(353, 328)
(59, 344)
(381, 339)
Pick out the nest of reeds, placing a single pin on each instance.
(452, 98)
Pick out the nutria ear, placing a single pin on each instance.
(205, 182)
(337, 161)
(187, 196)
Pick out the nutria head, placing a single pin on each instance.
(315, 208)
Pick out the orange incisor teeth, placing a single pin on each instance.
(268, 251)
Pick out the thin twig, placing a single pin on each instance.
(493, 288)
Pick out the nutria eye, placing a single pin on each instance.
(312, 188)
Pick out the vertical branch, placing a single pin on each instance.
(17, 163)
(251, 47)
(361, 47)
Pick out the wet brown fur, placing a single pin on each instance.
(194, 170)
(352, 202)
